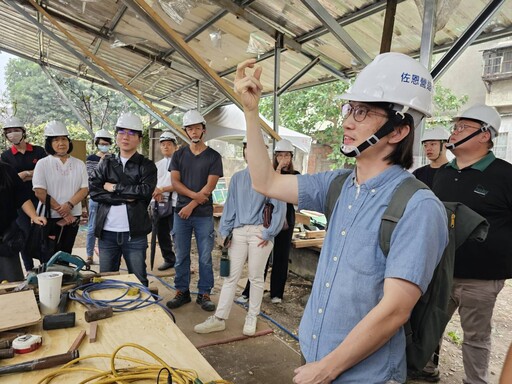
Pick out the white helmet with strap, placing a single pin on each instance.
(399, 80)
(488, 117)
(437, 133)
(13, 122)
(284, 146)
(129, 120)
(55, 128)
(167, 136)
(193, 117)
(103, 134)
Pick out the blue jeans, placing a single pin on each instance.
(202, 226)
(91, 239)
(114, 244)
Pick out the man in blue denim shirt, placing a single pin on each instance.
(351, 330)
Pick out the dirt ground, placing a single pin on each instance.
(285, 317)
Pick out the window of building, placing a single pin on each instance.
(498, 61)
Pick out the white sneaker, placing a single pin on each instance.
(250, 325)
(276, 300)
(242, 299)
(211, 324)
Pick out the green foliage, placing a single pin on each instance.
(315, 111)
(455, 338)
(31, 96)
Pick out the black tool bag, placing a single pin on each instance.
(12, 241)
(39, 245)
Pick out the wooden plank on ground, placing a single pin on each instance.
(303, 243)
(315, 234)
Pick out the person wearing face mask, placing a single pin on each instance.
(64, 178)
(103, 143)
(22, 156)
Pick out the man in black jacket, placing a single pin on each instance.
(122, 185)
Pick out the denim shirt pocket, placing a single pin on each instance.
(362, 251)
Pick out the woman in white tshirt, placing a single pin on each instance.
(64, 178)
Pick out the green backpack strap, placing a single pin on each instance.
(396, 209)
(333, 193)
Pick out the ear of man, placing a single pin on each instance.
(399, 133)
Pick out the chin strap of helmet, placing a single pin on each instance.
(483, 128)
(195, 141)
(386, 129)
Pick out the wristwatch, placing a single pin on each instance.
(114, 187)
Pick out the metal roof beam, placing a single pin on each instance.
(154, 56)
(78, 115)
(343, 21)
(146, 13)
(90, 60)
(108, 29)
(467, 37)
(389, 24)
(297, 76)
(337, 31)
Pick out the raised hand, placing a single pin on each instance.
(248, 87)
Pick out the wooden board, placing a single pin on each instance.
(19, 309)
(315, 234)
(299, 243)
(149, 327)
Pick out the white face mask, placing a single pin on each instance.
(15, 137)
(104, 148)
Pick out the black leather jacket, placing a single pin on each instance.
(134, 188)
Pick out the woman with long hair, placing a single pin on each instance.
(13, 195)
(282, 163)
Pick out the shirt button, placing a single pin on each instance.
(373, 190)
(335, 258)
(314, 337)
(327, 285)
(350, 207)
(343, 233)
(320, 310)
(456, 179)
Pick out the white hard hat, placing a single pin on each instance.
(395, 78)
(129, 120)
(13, 122)
(193, 117)
(167, 136)
(283, 146)
(435, 133)
(55, 128)
(487, 115)
(103, 134)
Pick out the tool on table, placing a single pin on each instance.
(93, 332)
(77, 341)
(94, 313)
(6, 353)
(42, 363)
(26, 343)
(69, 265)
(61, 319)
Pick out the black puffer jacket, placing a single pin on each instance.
(134, 188)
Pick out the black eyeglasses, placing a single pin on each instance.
(128, 132)
(459, 127)
(359, 112)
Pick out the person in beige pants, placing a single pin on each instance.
(243, 217)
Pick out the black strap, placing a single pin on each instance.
(395, 210)
(333, 193)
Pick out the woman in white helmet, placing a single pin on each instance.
(352, 327)
(433, 142)
(283, 164)
(22, 156)
(103, 143)
(62, 178)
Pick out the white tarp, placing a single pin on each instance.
(229, 122)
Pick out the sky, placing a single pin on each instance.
(4, 57)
